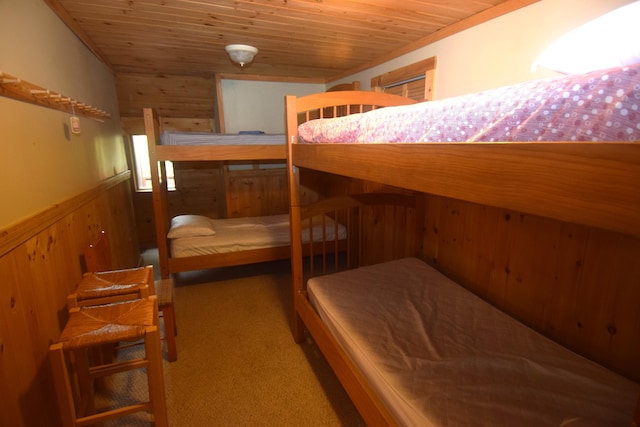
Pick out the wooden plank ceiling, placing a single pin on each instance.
(306, 40)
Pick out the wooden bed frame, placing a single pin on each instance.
(595, 185)
(157, 155)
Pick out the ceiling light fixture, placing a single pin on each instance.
(241, 53)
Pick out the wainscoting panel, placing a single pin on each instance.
(40, 264)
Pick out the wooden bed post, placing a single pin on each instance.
(297, 279)
(159, 192)
(218, 108)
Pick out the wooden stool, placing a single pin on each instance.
(95, 326)
(106, 287)
(98, 259)
(97, 288)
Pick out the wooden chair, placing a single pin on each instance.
(99, 285)
(92, 327)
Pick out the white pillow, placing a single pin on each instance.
(612, 40)
(190, 226)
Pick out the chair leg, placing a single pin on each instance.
(155, 377)
(170, 332)
(86, 384)
(101, 355)
(63, 385)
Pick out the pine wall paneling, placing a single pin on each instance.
(145, 225)
(184, 102)
(256, 192)
(41, 263)
(199, 189)
(578, 285)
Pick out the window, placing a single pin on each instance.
(143, 168)
(415, 81)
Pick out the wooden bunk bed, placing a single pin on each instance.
(159, 153)
(573, 184)
(196, 146)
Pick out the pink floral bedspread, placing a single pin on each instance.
(598, 106)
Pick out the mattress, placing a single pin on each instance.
(241, 234)
(440, 356)
(597, 106)
(200, 138)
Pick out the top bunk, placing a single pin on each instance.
(565, 147)
(201, 146)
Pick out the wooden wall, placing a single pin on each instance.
(186, 102)
(578, 285)
(256, 192)
(41, 263)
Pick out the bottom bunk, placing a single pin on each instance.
(412, 347)
(433, 353)
(198, 242)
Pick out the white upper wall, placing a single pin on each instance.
(252, 105)
(497, 53)
(41, 163)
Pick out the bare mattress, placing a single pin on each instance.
(440, 356)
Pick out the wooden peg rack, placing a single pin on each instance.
(13, 87)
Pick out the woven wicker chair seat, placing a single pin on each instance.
(110, 323)
(111, 283)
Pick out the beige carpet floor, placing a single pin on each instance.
(237, 362)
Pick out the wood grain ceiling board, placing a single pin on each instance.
(310, 40)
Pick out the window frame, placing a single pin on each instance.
(142, 168)
(405, 78)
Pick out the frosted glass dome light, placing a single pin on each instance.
(241, 53)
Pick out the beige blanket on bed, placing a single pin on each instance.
(242, 234)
